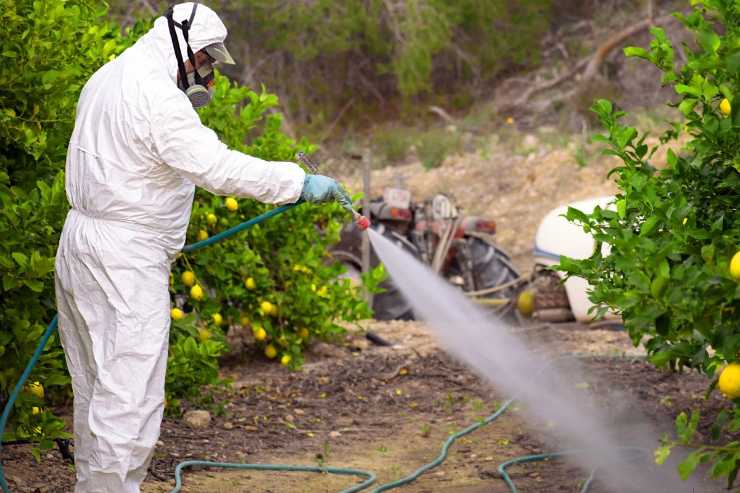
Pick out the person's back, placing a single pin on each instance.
(113, 171)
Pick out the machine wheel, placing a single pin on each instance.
(390, 304)
(492, 268)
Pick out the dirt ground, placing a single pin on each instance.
(388, 410)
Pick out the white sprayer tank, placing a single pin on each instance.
(556, 236)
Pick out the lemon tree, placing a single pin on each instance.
(276, 279)
(675, 230)
(49, 49)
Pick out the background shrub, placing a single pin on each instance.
(47, 52)
(675, 229)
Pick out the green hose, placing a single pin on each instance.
(236, 229)
(369, 478)
(17, 390)
(445, 449)
(536, 458)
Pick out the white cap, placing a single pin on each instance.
(219, 52)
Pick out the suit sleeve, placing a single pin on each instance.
(195, 151)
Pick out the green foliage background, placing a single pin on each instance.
(47, 51)
(376, 58)
(675, 229)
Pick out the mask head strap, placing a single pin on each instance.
(185, 27)
(180, 65)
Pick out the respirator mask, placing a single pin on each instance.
(195, 83)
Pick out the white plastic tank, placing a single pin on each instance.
(556, 236)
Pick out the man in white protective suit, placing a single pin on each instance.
(136, 154)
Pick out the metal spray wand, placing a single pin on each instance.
(362, 222)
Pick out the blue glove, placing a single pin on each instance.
(318, 189)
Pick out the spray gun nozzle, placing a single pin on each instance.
(362, 222)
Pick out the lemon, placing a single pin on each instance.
(202, 235)
(172, 279)
(270, 351)
(249, 283)
(231, 204)
(217, 319)
(285, 360)
(244, 320)
(735, 266)
(259, 333)
(525, 303)
(211, 219)
(729, 381)
(36, 389)
(196, 292)
(177, 314)
(204, 334)
(35, 410)
(303, 333)
(268, 308)
(323, 292)
(725, 107)
(188, 278)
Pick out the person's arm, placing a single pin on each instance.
(195, 151)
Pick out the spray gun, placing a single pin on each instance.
(361, 221)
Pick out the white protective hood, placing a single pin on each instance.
(207, 29)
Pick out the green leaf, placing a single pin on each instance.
(634, 51)
(664, 268)
(575, 215)
(649, 225)
(723, 467)
(687, 106)
(691, 90)
(49, 76)
(622, 208)
(20, 259)
(732, 62)
(687, 467)
(662, 453)
(34, 285)
(661, 358)
(602, 107)
(658, 285)
(709, 41)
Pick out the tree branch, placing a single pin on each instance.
(593, 62)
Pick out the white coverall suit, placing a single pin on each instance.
(136, 154)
